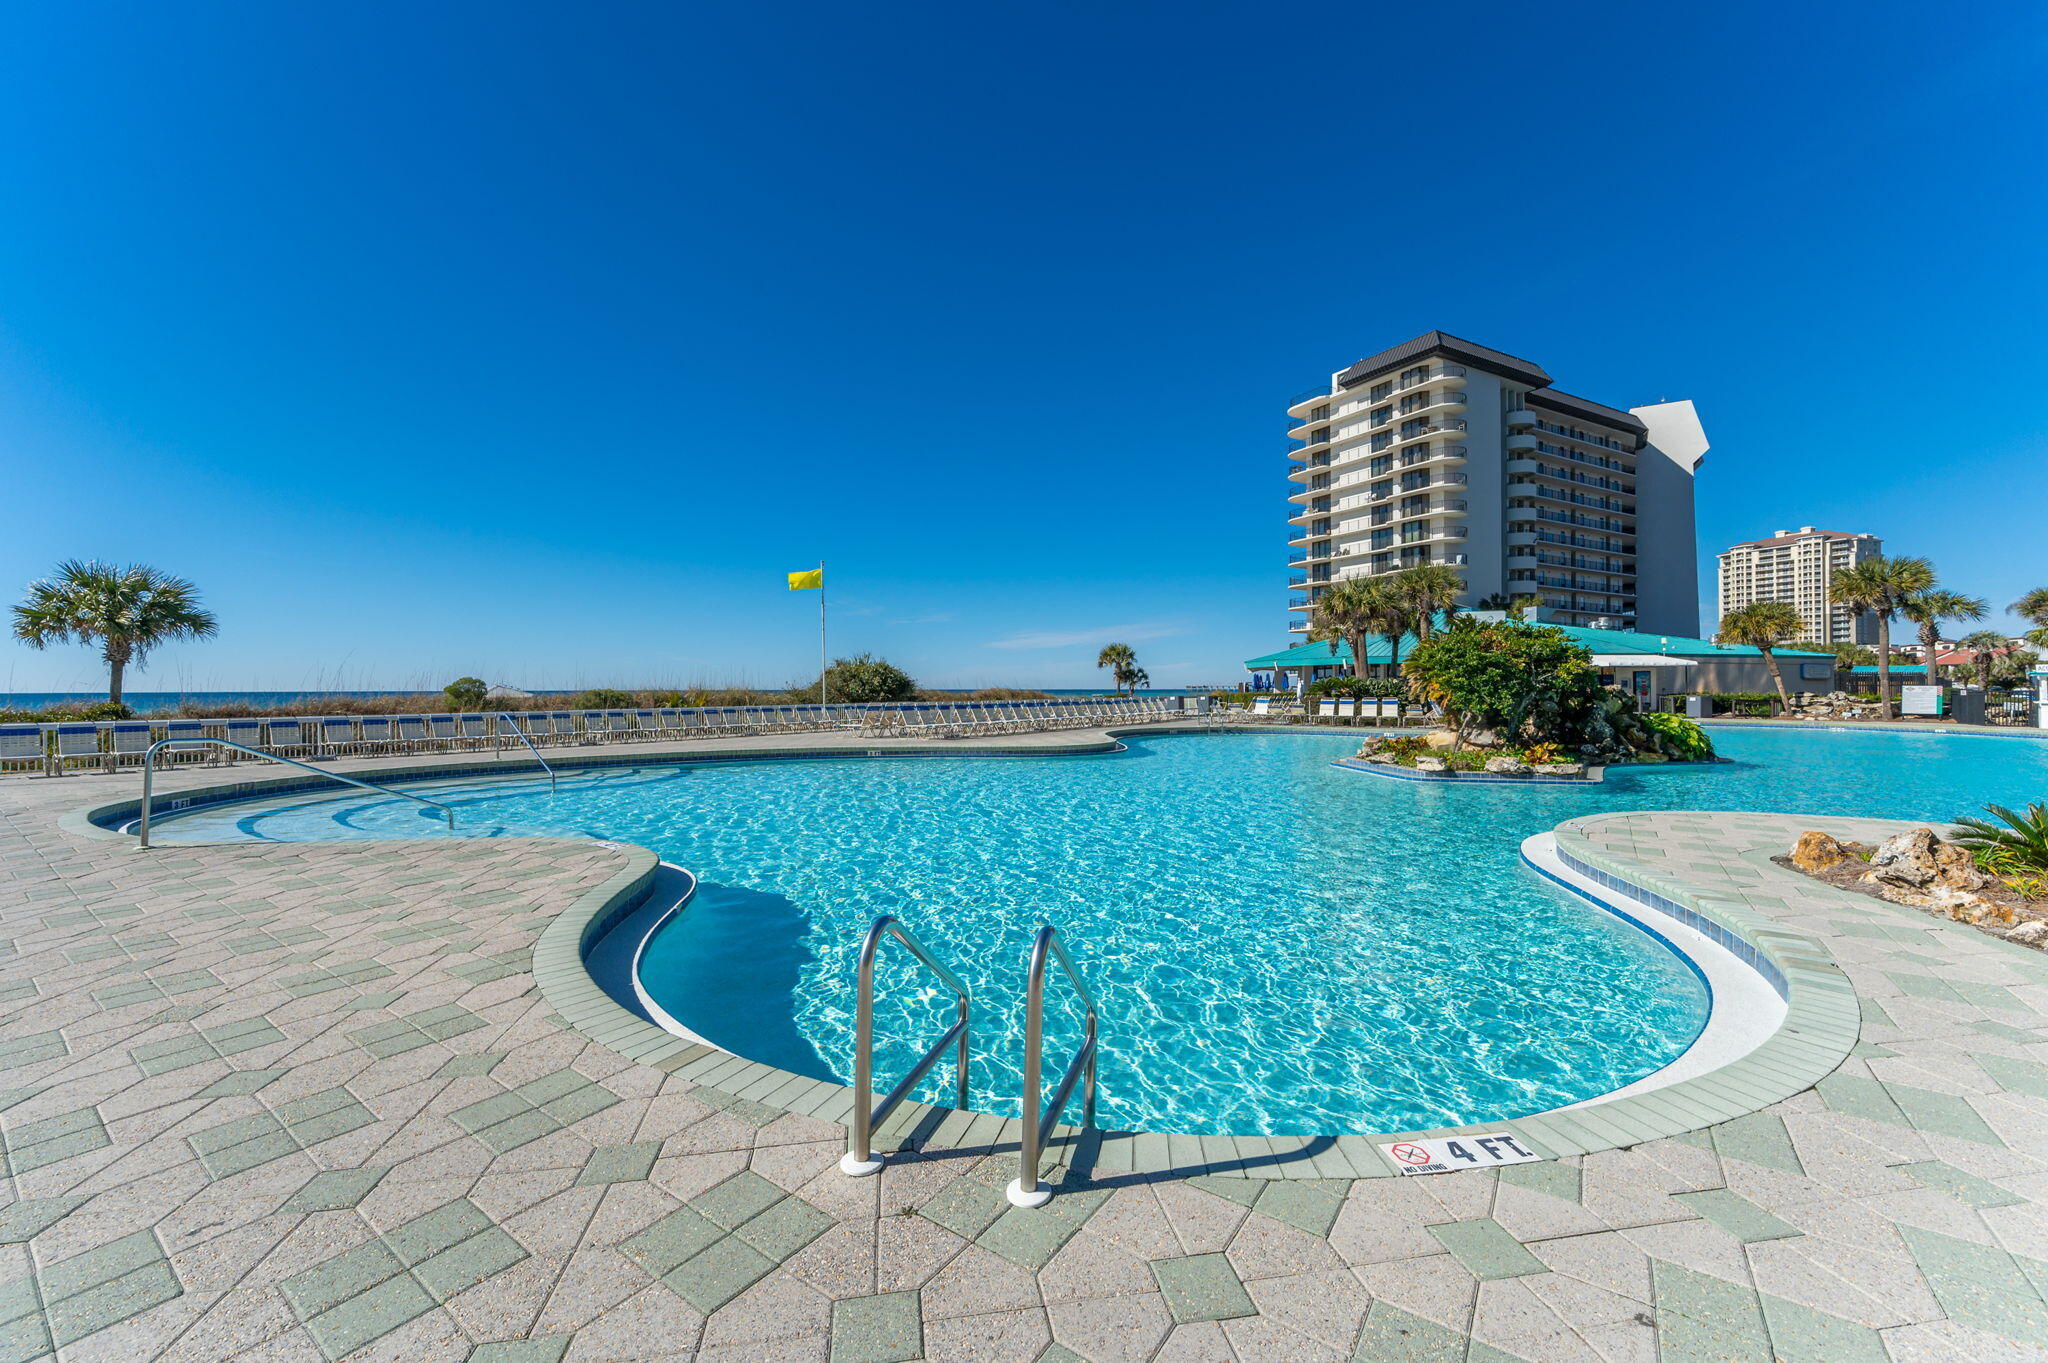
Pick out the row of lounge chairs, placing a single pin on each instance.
(54, 749)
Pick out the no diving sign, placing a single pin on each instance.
(1449, 1153)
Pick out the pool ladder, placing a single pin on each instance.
(1025, 1190)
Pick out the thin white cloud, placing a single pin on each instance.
(1102, 634)
(943, 617)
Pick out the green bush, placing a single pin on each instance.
(1357, 688)
(69, 714)
(465, 693)
(602, 698)
(1678, 738)
(861, 680)
(1764, 703)
(1527, 683)
(2020, 844)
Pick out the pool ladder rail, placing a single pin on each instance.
(860, 1159)
(149, 778)
(521, 735)
(1025, 1190)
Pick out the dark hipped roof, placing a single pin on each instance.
(1586, 410)
(1449, 346)
(1494, 361)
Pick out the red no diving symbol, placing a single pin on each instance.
(1411, 1154)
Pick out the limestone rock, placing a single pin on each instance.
(1506, 766)
(1817, 852)
(1918, 860)
(1381, 759)
(2032, 933)
(1440, 738)
(1436, 764)
(1482, 738)
(1575, 769)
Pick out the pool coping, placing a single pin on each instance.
(1820, 1027)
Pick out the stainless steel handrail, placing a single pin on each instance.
(523, 737)
(149, 773)
(860, 1159)
(1026, 1191)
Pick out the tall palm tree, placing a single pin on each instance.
(1342, 614)
(1429, 588)
(2033, 607)
(1879, 587)
(1929, 608)
(1763, 626)
(1984, 644)
(1119, 659)
(1388, 614)
(126, 611)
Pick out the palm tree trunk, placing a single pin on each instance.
(1777, 678)
(116, 665)
(1884, 666)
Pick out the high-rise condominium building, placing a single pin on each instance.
(1443, 451)
(1798, 567)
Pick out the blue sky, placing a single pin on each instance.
(538, 342)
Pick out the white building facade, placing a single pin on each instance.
(1443, 451)
(1798, 567)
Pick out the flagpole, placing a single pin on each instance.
(823, 666)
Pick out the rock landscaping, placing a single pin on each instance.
(1921, 870)
(1835, 705)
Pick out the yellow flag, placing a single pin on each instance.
(812, 581)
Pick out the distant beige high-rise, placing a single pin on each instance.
(1444, 451)
(1798, 567)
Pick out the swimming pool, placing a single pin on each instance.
(1280, 946)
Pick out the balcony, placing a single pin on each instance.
(1443, 373)
(1300, 583)
(1521, 418)
(1521, 442)
(1296, 626)
(1522, 467)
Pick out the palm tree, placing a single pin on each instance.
(1929, 608)
(1118, 658)
(1880, 587)
(126, 611)
(2033, 607)
(1134, 677)
(1343, 614)
(1386, 613)
(1984, 644)
(1429, 588)
(1763, 626)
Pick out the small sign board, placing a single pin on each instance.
(1447, 1154)
(1920, 700)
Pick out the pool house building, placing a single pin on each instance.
(1650, 665)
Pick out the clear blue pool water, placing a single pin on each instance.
(1279, 946)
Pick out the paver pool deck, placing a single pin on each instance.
(276, 1101)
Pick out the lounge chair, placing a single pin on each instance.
(376, 735)
(23, 748)
(337, 736)
(288, 738)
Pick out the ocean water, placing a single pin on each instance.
(150, 702)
